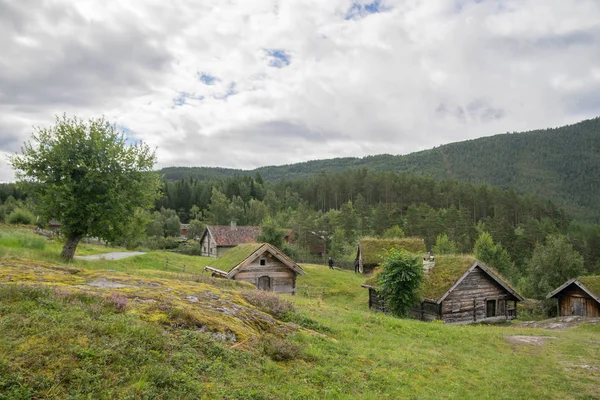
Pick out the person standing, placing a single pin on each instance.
(330, 262)
(356, 266)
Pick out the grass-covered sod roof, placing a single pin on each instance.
(372, 249)
(448, 269)
(591, 282)
(233, 257)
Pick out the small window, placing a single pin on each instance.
(263, 261)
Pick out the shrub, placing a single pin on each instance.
(118, 302)
(268, 302)
(20, 216)
(279, 349)
(160, 243)
(400, 280)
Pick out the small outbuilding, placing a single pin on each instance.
(216, 240)
(261, 264)
(371, 250)
(459, 289)
(579, 296)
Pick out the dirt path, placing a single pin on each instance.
(110, 256)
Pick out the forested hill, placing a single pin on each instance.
(560, 164)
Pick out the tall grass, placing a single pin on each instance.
(22, 239)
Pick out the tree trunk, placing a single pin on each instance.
(68, 250)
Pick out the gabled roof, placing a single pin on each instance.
(449, 271)
(372, 249)
(225, 235)
(589, 284)
(234, 260)
(490, 272)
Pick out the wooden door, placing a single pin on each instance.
(490, 308)
(578, 306)
(264, 283)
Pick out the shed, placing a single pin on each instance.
(459, 289)
(580, 296)
(216, 240)
(261, 264)
(371, 250)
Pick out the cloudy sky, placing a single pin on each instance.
(246, 83)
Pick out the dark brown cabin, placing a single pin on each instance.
(260, 264)
(460, 289)
(578, 297)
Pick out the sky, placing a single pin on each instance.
(249, 83)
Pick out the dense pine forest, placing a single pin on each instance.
(351, 198)
(560, 164)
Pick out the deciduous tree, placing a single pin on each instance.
(87, 176)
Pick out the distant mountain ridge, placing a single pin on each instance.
(559, 164)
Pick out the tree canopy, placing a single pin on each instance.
(87, 176)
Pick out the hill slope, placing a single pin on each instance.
(560, 164)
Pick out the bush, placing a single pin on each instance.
(160, 243)
(268, 302)
(400, 280)
(190, 249)
(279, 349)
(20, 216)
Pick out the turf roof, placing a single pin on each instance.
(372, 249)
(234, 256)
(448, 269)
(591, 282)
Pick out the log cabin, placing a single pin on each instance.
(260, 264)
(458, 289)
(579, 296)
(371, 250)
(216, 240)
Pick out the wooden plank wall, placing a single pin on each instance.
(283, 279)
(467, 302)
(573, 293)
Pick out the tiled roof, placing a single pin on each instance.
(225, 235)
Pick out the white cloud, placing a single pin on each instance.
(287, 81)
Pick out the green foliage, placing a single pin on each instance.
(592, 283)
(195, 229)
(219, 212)
(494, 255)
(20, 216)
(552, 264)
(443, 245)
(86, 176)
(395, 232)
(400, 280)
(22, 239)
(271, 233)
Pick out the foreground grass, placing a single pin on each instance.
(54, 346)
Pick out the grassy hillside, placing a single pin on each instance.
(561, 164)
(106, 329)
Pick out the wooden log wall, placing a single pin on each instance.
(283, 279)
(467, 302)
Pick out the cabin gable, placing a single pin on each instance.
(269, 273)
(478, 296)
(573, 300)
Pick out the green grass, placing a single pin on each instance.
(81, 345)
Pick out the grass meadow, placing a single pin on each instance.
(61, 339)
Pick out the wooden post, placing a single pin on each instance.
(474, 310)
